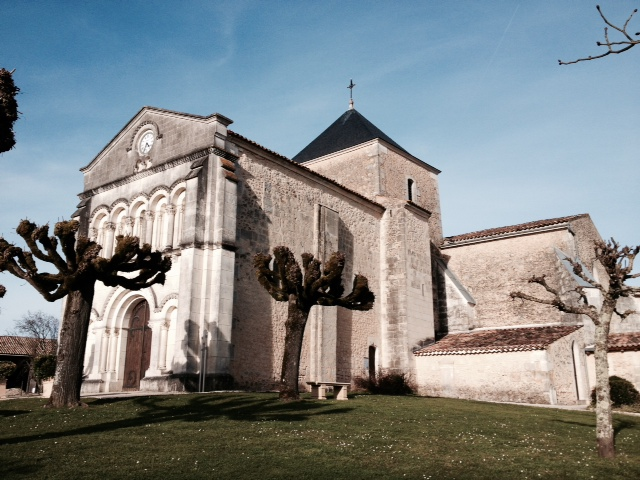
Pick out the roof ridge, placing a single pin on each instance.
(495, 231)
(514, 339)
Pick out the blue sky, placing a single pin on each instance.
(471, 87)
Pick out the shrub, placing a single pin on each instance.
(386, 383)
(6, 369)
(622, 392)
(44, 367)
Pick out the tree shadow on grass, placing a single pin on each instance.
(618, 424)
(195, 408)
(12, 413)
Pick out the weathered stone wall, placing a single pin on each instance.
(539, 376)
(630, 323)
(522, 377)
(568, 369)
(276, 204)
(418, 273)
(622, 364)
(585, 236)
(396, 170)
(375, 170)
(406, 296)
(492, 269)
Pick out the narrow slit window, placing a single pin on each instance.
(410, 184)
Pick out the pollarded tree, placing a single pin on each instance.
(625, 43)
(618, 264)
(8, 110)
(8, 116)
(286, 282)
(78, 269)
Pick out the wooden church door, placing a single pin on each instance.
(138, 353)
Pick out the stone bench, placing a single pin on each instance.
(319, 390)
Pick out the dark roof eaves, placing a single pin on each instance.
(401, 152)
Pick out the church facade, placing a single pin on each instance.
(212, 198)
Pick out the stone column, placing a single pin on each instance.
(177, 231)
(168, 233)
(162, 355)
(148, 230)
(104, 350)
(109, 230)
(156, 325)
(128, 225)
(158, 234)
(113, 348)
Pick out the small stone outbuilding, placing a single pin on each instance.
(529, 364)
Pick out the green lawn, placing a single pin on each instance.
(255, 436)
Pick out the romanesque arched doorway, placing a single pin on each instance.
(138, 353)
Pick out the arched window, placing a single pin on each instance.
(372, 361)
(410, 189)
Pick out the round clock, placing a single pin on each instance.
(146, 142)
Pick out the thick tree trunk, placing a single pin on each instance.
(73, 341)
(604, 420)
(296, 322)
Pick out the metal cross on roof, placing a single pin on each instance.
(350, 87)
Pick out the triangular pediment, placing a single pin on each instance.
(152, 137)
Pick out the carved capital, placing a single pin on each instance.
(109, 226)
(170, 209)
(148, 215)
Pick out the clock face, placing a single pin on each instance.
(146, 142)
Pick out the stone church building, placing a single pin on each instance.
(212, 198)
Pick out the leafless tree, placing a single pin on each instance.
(618, 264)
(42, 328)
(78, 269)
(38, 325)
(8, 110)
(285, 282)
(626, 43)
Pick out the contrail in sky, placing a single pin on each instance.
(504, 34)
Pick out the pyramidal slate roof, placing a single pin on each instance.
(349, 130)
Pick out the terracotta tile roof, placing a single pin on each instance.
(10, 345)
(498, 341)
(522, 227)
(624, 342)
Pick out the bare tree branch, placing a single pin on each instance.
(624, 314)
(285, 281)
(76, 276)
(618, 263)
(612, 47)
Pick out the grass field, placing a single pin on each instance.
(236, 436)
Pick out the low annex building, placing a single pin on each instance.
(212, 198)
